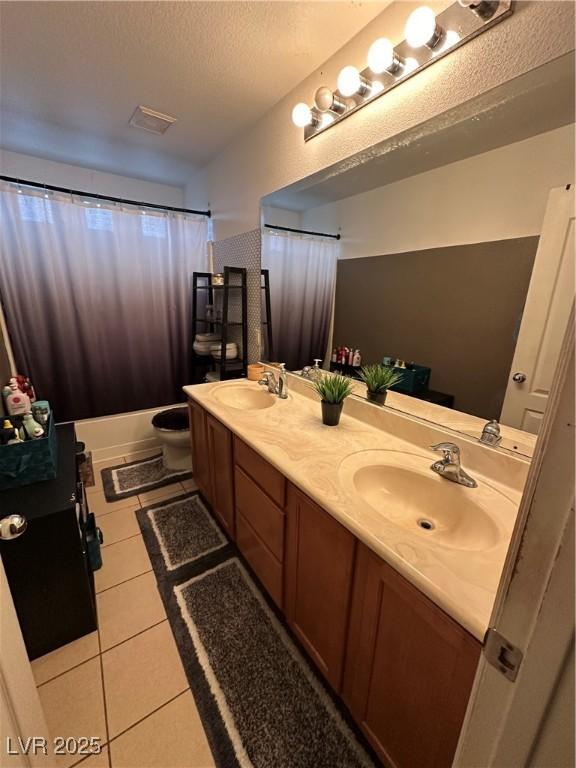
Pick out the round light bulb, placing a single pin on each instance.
(302, 115)
(421, 28)
(324, 98)
(349, 81)
(381, 55)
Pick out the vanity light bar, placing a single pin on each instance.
(428, 39)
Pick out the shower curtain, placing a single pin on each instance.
(96, 300)
(302, 283)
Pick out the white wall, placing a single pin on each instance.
(497, 195)
(33, 168)
(272, 154)
(281, 217)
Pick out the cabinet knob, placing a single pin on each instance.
(519, 377)
(12, 526)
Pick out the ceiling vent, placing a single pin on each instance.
(150, 120)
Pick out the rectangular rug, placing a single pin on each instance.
(262, 703)
(138, 477)
(185, 531)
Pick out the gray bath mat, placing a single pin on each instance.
(138, 477)
(184, 530)
(272, 707)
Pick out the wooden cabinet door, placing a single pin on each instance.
(409, 668)
(200, 454)
(221, 472)
(319, 566)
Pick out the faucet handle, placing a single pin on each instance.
(450, 450)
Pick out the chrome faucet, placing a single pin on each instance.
(449, 466)
(491, 433)
(276, 386)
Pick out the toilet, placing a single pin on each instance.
(172, 428)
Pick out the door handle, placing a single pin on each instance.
(12, 526)
(519, 377)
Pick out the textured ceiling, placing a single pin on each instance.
(71, 74)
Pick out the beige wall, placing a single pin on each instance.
(272, 154)
(497, 195)
(88, 180)
(456, 310)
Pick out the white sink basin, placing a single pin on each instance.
(244, 398)
(403, 488)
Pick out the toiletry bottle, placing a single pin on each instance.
(7, 432)
(351, 354)
(10, 433)
(357, 361)
(16, 402)
(41, 412)
(334, 358)
(32, 428)
(315, 371)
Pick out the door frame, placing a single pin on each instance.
(534, 606)
(22, 715)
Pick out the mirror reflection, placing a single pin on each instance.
(457, 279)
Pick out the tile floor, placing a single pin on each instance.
(124, 683)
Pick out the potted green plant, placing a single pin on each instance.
(333, 390)
(378, 379)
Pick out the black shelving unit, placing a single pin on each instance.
(232, 301)
(267, 317)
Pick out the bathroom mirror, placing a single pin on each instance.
(454, 246)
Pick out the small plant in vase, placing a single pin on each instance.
(378, 380)
(333, 390)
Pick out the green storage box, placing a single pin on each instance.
(31, 461)
(414, 379)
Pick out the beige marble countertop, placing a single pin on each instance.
(291, 436)
(514, 440)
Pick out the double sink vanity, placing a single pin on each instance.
(384, 570)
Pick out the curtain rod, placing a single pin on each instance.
(303, 231)
(79, 193)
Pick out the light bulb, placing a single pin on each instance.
(421, 28)
(326, 101)
(302, 115)
(350, 82)
(382, 57)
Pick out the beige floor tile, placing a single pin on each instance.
(74, 705)
(129, 608)
(174, 489)
(173, 736)
(122, 561)
(190, 485)
(63, 659)
(140, 675)
(97, 503)
(96, 761)
(119, 524)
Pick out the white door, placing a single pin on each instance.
(21, 715)
(529, 722)
(547, 308)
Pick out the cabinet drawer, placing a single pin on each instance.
(268, 478)
(262, 561)
(259, 510)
